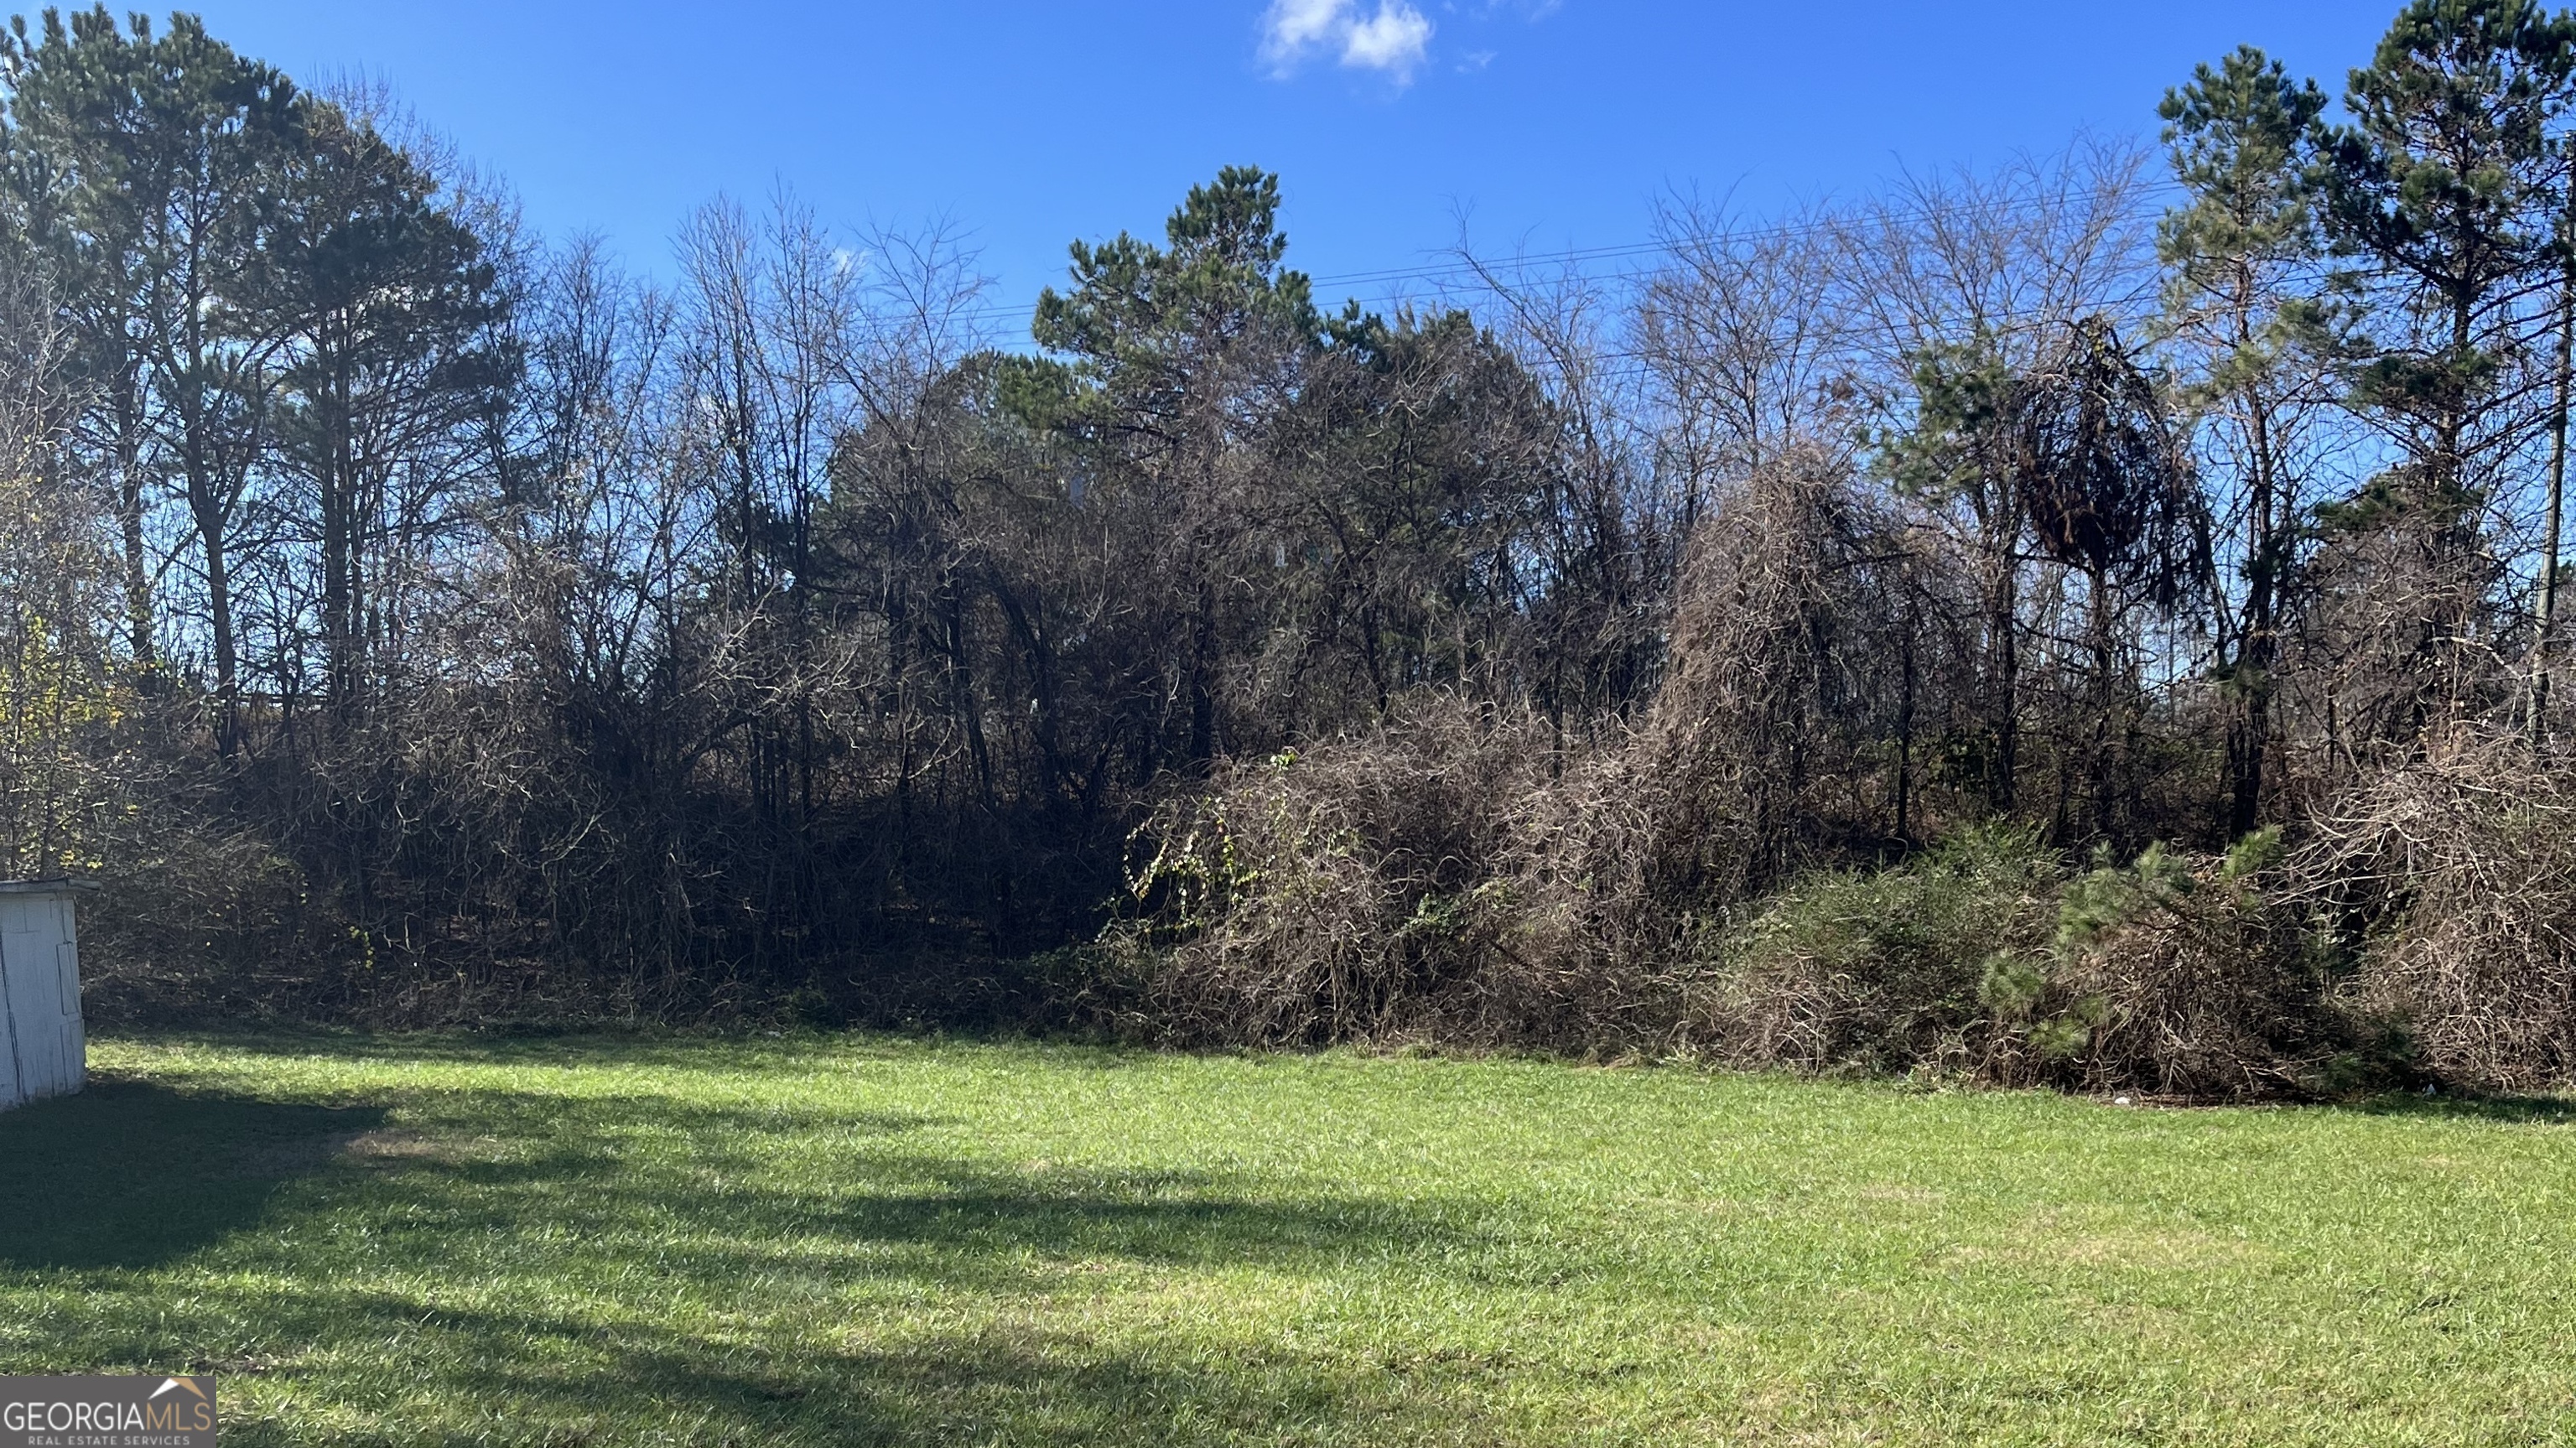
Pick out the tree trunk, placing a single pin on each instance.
(2557, 498)
(219, 617)
(129, 517)
(339, 488)
(2253, 673)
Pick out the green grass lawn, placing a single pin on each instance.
(862, 1240)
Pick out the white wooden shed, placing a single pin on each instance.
(43, 1051)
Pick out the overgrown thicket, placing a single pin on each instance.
(2090, 623)
(2041, 567)
(2449, 882)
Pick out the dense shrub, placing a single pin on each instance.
(1457, 877)
(1884, 970)
(2192, 976)
(1449, 878)
(1984, 957)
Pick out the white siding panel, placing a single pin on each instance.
(42, 1050)
(31, 1065)
(10, 1095)
(75, 1037)
(33, 1008)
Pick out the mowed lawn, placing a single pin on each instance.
(829, 1240)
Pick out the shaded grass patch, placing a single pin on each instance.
(867, 1240)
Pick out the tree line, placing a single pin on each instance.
(417, 618)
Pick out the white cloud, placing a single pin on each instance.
(1394, 41)
(1294, 27)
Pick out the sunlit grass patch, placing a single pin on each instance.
(854, 1240)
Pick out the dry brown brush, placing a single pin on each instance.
(2453, 879)
(1350, 891)
(1463, 873)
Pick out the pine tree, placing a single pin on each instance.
(2246, 302)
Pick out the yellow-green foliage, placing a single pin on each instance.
(60, 698)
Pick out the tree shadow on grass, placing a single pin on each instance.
(718, 1196)
(2529, 1110)
(1038, 1389)
(482, 1267)
(133, 1175)
(673, 1048)
(978, 1210)
(559, 1377)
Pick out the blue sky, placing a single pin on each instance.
(1546, 125)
